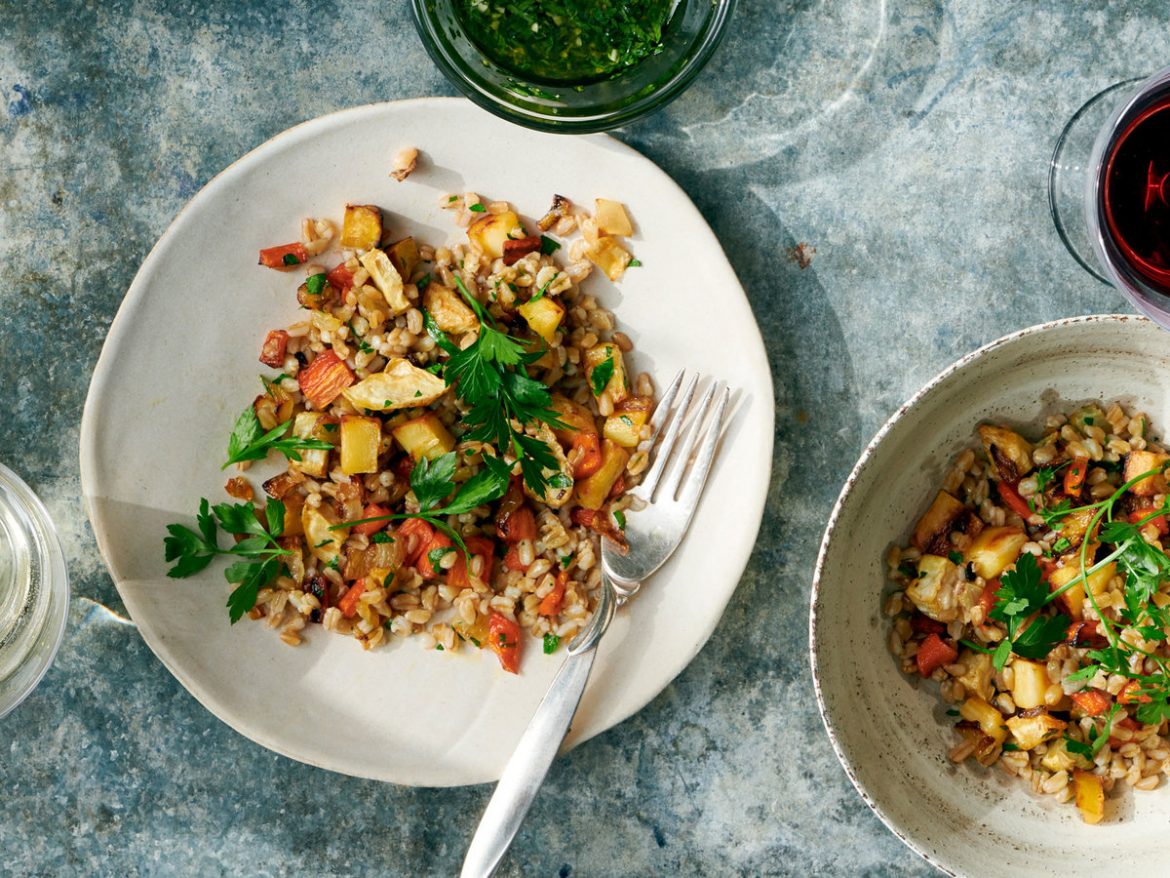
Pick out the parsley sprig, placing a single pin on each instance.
(249, 441)
(432, 481)
(258, 551)
(489, 376)
(1021, 596)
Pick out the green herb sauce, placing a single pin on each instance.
(567, 41)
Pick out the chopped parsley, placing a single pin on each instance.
(548, 246)
(620, 518)
(477, 208)
(551, 642)
(315, 284)
(290, 259)
(435, 557)
(635, 263)
(955, 557)
(1021, 595)
(601, 375)
(381, 537)
(249, 441)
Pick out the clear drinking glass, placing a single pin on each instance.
(1085, 210)
(34, 590)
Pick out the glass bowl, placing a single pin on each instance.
(693, 33)
(34, 590)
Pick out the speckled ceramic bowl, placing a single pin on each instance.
(891, 737)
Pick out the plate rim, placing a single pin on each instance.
(98, 385)
(846, 493)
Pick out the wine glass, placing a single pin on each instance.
(1109, 190)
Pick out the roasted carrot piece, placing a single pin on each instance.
(349, 601)
(479, 547)
(340, 278)
(425, 564)
(1159, 522)
(518, 525)
(933, 653)
(284, 257)
(370, 528)
(987, 598)
(1010, 496)
(324, 378)
(274, 347)
(504, 639)
(1092, 702)
(1074, 476)
(550, 605)
(416, 536)
(588, 458)
(1131, 694)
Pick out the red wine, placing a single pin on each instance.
(1136, 193)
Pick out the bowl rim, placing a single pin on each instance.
(584, 123)
(846, 493)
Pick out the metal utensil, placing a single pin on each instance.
(670, 492)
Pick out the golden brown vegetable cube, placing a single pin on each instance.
(360, 440)
(607, 357)
(400, 385)
(361, 228)
(1008, 450)
(1030, 731)
(403, 256)
(1090, 796)
(576, 418)
(491, 230)
(593, 491)
(424, 436)
(387, 279)
(1140, 462)
(448, 310)
(936, 590)
(624, 426)
(1030, 681)
(977, 678)
(1074, 598)
(990, 720)
(610, 256)
(611, 217)
(995, 549)
(325, 544)
(937, 520)
(544, 316)
(1060, 758)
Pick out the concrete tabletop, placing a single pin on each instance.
(906, 141)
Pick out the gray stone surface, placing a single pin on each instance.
(906, 141)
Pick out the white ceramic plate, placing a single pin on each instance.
(893, 739)
(180, 363)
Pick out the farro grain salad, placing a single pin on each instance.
(1035, 592)
(460, 429)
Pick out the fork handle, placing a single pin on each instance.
(528, 766)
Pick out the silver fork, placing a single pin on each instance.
(670, 492)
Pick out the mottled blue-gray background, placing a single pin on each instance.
(908, 142)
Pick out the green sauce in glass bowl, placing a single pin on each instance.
(566, 41)
(590, 65)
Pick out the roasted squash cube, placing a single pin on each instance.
(491, 230)
(403, 256)
(544, 316)
(1140, 462)
(611, 217)
(361, 227)
(1090, 796)
(610, 256)
(593, 490)
(624, 426)
(606, 371)
(323, 543)
(360, 440)
(995, 550)
(424, 436)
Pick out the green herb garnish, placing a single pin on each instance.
(551, 642)
(635, 263)
(315, 284)
(1023, 593)
(601, 375)
(548, 246)
(290, 259)
(248, 441)
(477, 208)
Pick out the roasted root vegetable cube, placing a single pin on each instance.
(400, 385)
(935, 591)
(360, 440)
(611, 217)
(936, 522)
(1031, 728)
(1073, 598)
(386, 278)
(1090, 795)
(606, 371)
(325, 544)
(361, 228)
(1008, 450)
(403, 256)
(424, 436)
(995, 549)
(491, 230)
(989, 720)
(576, 418)
(544, 316)
(977, 678)
(610, 256)
(1060, 758)
(274, 347)
(448, 310)
(284, 257)
(593, 491)
(324, 378)
(1030, 681)
(624, 426)
(1140, 462)
(516, 249)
